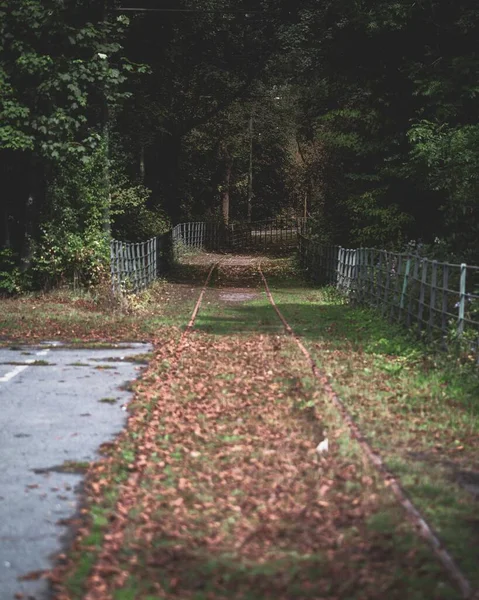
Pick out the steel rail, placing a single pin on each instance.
(126, 498)
(418, 521)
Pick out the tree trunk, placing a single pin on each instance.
(142, 164)
(225, 192)
(29, 211)
(105, 125)
(33, 173)
(106, 168)
(5, 241)
(250, 170)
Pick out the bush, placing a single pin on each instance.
(10, 275)
(132, 219)
(66, 257)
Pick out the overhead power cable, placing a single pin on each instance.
(195, 10)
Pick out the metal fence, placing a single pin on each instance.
(268, 233)
(134, 266)
(439, 299)
(238, 236)
(199, 236)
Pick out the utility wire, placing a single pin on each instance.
(193, 10)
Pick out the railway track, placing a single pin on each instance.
(113, 541)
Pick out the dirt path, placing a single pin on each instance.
(217, 490)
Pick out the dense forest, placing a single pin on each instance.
(120, 119)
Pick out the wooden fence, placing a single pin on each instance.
(439, 299)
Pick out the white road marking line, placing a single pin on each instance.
(13, 373)
(18, 369)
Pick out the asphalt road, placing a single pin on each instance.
(53, 409)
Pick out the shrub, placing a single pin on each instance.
(10, 275)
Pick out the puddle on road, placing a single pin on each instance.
(238, 296)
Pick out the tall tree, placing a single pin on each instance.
(59, 65)
(201, 63)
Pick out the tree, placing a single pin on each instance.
(201, 64)
(367, 77)
(59, 65)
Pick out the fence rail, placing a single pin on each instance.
(439, 299)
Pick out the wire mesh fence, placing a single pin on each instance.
(439, 299)
(237, 236)
(199, 236)
(134, 266)
(267, 233)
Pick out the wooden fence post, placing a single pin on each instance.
(388, 274)
(339, 270)
(113, 265)
(414, 277)
(360, 269)
(379, 276)
(395, 297)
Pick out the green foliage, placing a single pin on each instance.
(54, 60)
(10, 275)
(62, 79)
(449, 158)
(215, 159)
(62, 257)
(387, 119)
(188, 117)
(364, 115)
(132, 219)
(72, 246)
(77, 198)
(373, 224)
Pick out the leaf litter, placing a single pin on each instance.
(220, 493)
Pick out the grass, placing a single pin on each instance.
(102, 487)
(217, 474)
(69, 466)
(224, 494)
(418, 408)
(92, 319)
(108, 400)
(33, 363)
(74, 466)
